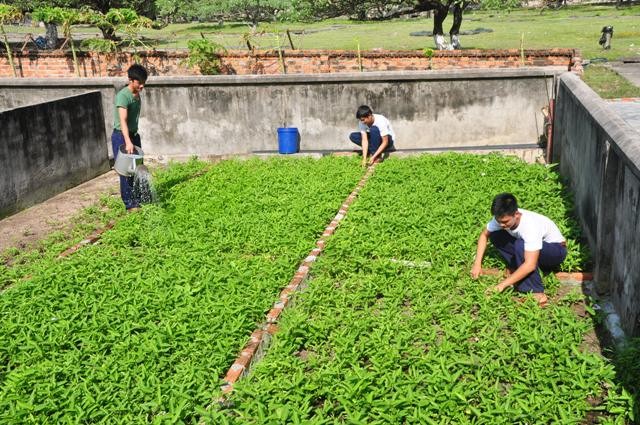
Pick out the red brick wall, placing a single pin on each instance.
(92, 64)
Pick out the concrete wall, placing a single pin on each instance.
(599, 154)
(48, 148)
(222, 115)
(15, 93)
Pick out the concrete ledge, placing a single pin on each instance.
(627, 139)
(452, 74)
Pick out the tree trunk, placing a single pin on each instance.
(51, 36)
(108, 33)
(440, 14)
(458, 8)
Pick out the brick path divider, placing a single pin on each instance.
(89, 240)
(261, 337)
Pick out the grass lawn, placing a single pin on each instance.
(572, 27)
(608, 84)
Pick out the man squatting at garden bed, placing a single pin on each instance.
(526, 240)
(125, 127)
(375, 135)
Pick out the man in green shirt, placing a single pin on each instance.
(125, 127)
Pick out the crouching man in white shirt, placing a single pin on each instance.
(526, 240)
(375, 135)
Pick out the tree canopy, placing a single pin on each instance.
(254, 10)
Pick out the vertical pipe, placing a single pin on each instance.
(552, 116)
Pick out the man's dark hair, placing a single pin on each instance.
(504, 204)
(137, 72)
(363, 111)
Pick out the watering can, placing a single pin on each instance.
(126, 163)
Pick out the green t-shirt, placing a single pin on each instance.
(126, 99)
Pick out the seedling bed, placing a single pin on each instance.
(141, 327)
(375, 339)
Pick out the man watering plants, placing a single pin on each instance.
(125, 127)
(375, 134)
(526, 240)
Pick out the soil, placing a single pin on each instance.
(25, 229)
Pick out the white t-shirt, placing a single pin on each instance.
(534, 229)
(383, 125)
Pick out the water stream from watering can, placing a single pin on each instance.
(143, 188)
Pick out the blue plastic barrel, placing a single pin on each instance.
(288, 140)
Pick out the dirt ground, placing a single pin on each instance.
(26, 228)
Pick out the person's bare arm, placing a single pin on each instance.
(365, 147)
(529, 265)
(480, 250)
(128, 144)
(383, 146)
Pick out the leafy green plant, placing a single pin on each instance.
(123, 22)
(100, 45)
(205, 55)
(141, 326)
(372, 340)
(8, 14)
(428, 52)
(628, 370)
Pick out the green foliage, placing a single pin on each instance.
(125, 22)
(30, 5)
(139, 328)
(392, 329)
(65, 17)
(357, 9)
(628, 369)
(500, 4)
(100, 45)
(205, 55)
(8, 14)
(172, 8)
(254, 11)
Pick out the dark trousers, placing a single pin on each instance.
(126, 183)
(375, 140)
(512, 250)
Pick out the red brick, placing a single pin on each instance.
(273, 315)
(295, 282)
(234, 373)
(577, 276)
(272, 329)
(286, 293)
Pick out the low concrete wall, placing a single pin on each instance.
(48, 148)
(599, 154)
(223, 115)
